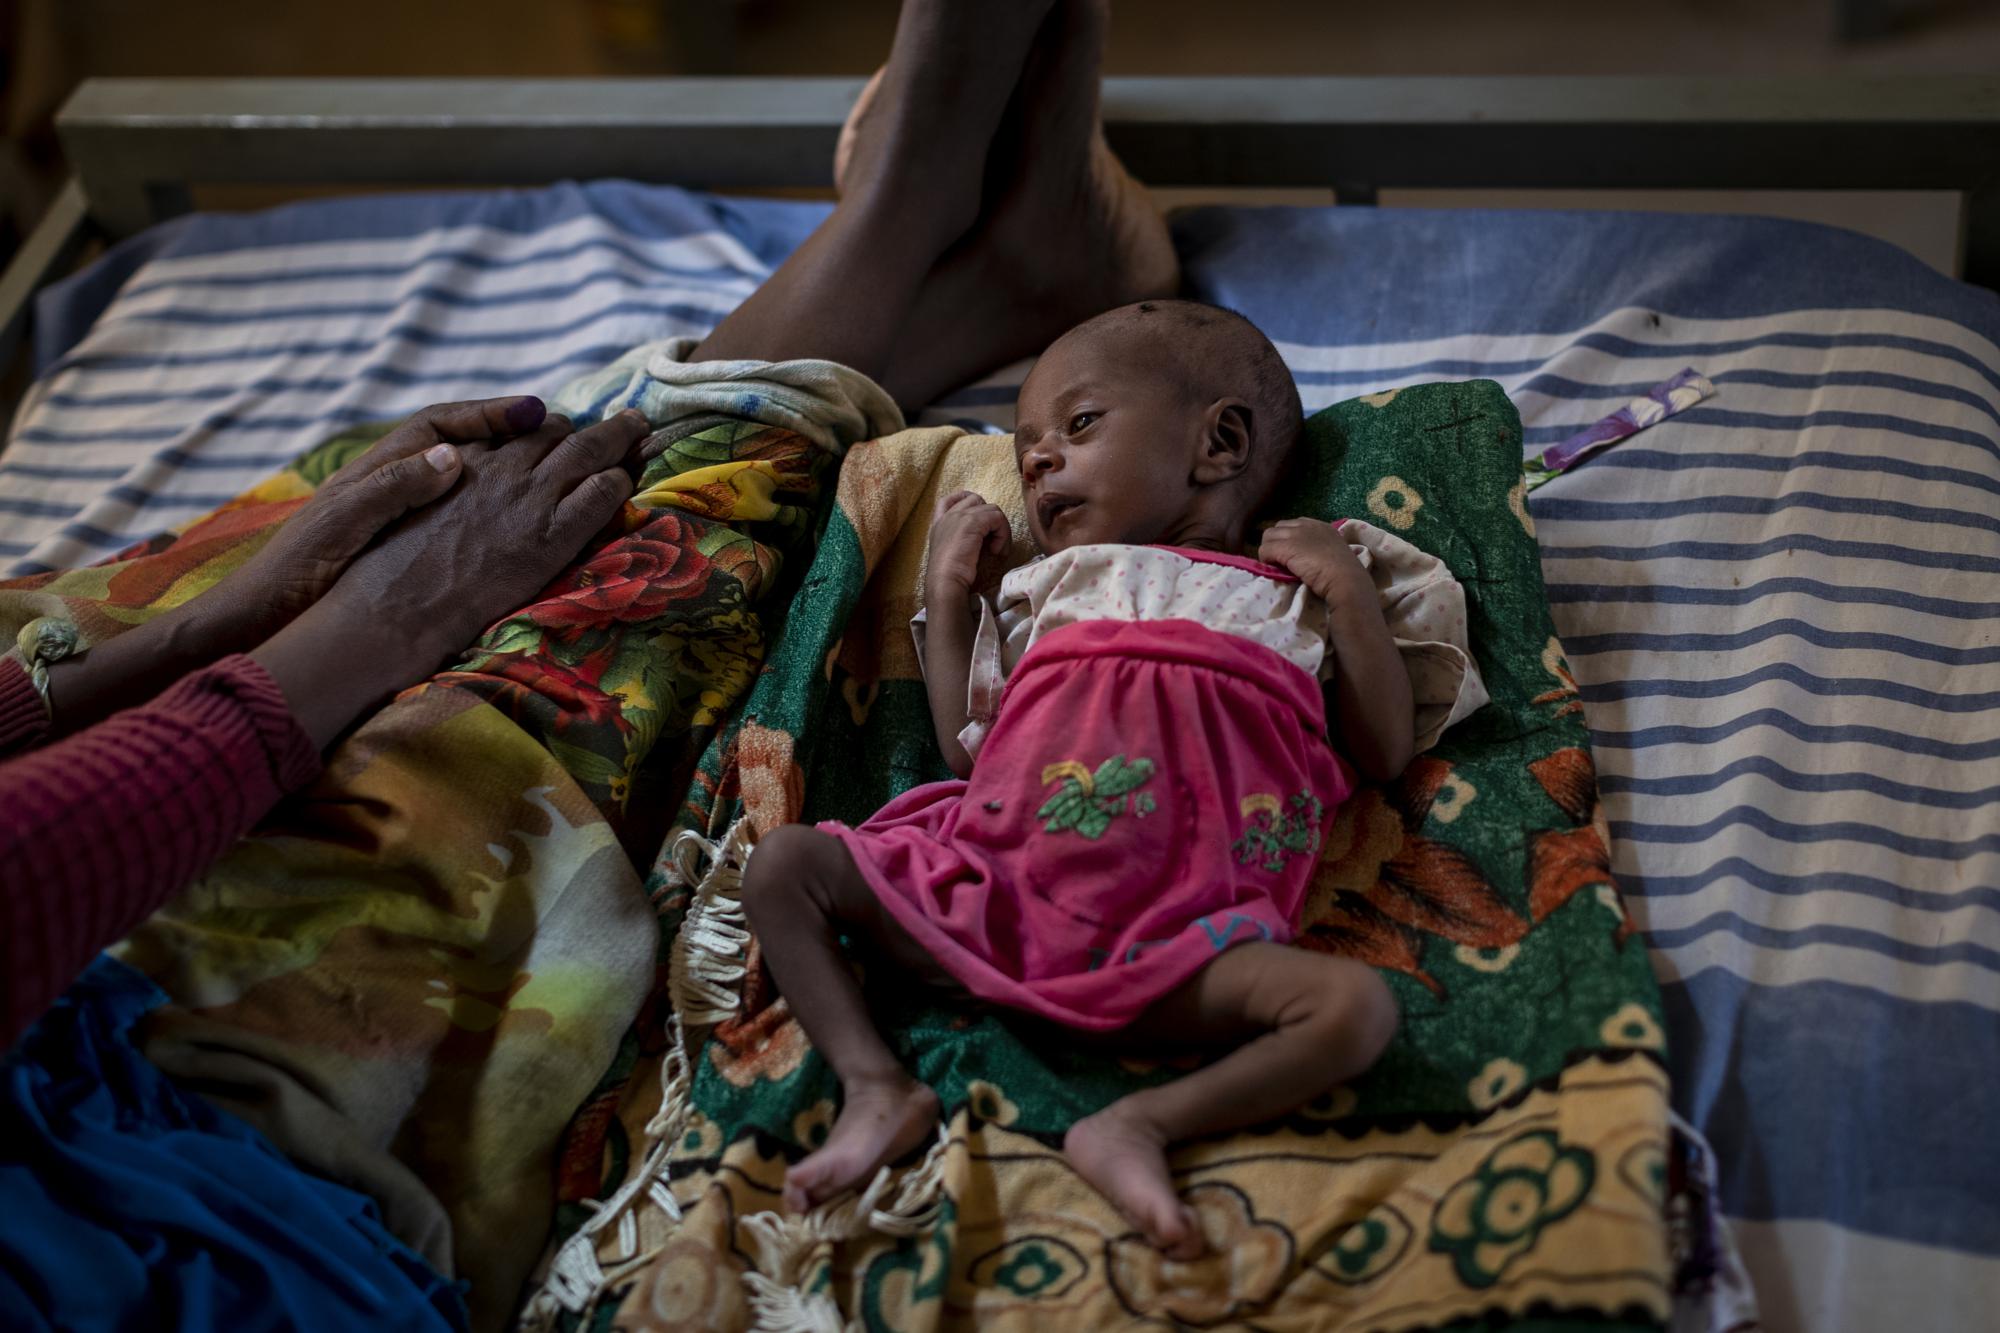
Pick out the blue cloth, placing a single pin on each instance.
(128, 1203)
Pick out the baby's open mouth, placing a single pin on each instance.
(1052, 506)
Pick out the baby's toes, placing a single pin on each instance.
(1180, 1238)
(806, 1184)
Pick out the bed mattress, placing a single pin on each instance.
(1780, 604)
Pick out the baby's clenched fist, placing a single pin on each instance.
(967, 529)
(1319, 555)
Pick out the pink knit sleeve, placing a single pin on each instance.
(100, 828)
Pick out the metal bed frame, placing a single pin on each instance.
(140, 146)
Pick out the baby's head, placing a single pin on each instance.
(1162, 422)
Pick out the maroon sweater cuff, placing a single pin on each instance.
(24, 719)
(102, 827)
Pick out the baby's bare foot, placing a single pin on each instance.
(1127, 1161)
(878, 1123)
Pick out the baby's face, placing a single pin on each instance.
(1105, 436)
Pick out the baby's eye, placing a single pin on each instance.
(1081, 422)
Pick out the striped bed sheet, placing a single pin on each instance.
(1780, 605)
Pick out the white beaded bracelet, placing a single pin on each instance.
(44, 642)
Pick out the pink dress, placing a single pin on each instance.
(1151, 790)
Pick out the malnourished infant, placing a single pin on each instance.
(1141, 737)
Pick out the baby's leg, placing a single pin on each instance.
(1307, 1022)
(800, 888)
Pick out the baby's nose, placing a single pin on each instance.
(1039, 458)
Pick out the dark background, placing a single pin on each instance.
(46, 46)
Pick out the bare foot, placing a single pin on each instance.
(951, 70)
(1064, 232)
(1127, 1162)
(878, 1123)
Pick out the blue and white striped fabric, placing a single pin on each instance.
(1782, 609)
(1780, 604)
(235, 343)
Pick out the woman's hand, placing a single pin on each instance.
(440, 575)
(967, 532)
(408, 468)
(1320, 557)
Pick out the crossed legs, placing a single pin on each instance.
(980, 214)
(1292, 1025)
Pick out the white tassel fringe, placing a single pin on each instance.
(705, 975)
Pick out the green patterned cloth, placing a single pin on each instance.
(1506, 1156)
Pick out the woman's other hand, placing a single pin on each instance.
(412, 466)
(517, 517)
(408, 468)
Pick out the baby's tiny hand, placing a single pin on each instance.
(1321, 558)
(965, 528)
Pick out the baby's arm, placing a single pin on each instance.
(1373, 710)
(965, 528)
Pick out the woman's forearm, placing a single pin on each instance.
(98, 830)
(132, 667)
(337, 661)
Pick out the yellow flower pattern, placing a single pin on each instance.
(1395, 502)
(1494, 1084)
(811, 1126)
(1495, 1216)
(1453, 795)
(989, 1103)
(1487, 960)
(1633, 1026)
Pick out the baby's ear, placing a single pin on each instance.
(1225, 442)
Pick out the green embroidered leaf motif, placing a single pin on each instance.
(1092, 823)
(1277, 840)
(1065, 808)
(1087, 805)
(1115, 777)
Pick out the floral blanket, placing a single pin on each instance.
(415, 971)
(1503, 1164)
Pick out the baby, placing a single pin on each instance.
(1139, 812)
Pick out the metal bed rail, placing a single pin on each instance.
(139, 146)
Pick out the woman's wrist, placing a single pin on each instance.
(130, 668)
(338, 660)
